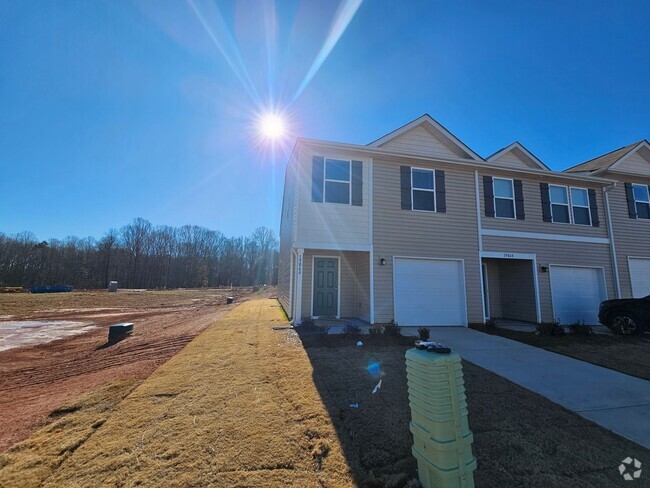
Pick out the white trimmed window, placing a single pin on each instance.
(642, 201)
(559, 204)
(504, 198)
(337, 181)
(570, 205)
(580, 206)
(423, 190)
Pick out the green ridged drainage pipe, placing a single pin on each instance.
(442, 441)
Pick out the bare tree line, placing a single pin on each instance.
(140, 255)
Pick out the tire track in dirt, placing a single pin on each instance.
(36, 380)
(33, 376)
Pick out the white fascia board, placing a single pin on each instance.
(426, 119)
(633, 151)
(518, 145)
(620, 161)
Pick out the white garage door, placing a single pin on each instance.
(429, 292)
(640, 276)
(577, 293)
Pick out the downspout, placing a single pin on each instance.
(299, 278)
(612, 244)
(480, 243)
(371, 256)
(292, 256)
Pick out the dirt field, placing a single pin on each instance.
(628, 355)
(36, 380)
(244, 405)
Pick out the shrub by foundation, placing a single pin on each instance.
(550, 329)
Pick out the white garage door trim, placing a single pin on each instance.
(603, 285)
(463, 287)
(641, 280)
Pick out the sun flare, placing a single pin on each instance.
(272, 126)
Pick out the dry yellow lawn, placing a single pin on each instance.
(236, 407)
(29, 463)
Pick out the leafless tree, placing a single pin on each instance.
(143, 256)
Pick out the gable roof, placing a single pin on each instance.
(608, 160)
(514, 148)
(427, 121)
(399, 156)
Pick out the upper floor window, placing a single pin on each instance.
(580, 206)
(423, 188)
(504, 198)
(337, 181)
(642, 201)
(559, 204)
(570, 205)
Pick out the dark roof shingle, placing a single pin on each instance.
(602, 162)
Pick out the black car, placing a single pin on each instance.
(627, 316)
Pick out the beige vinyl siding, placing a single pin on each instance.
(351, 293)
(362, 281)
(511, 160)
(534, 221)
(330, 223)
(286, 239)
(518, 290)
(398, 232)
(635, 164)
(555, 252)
(494, 287)
(421, 142)
(631, 236)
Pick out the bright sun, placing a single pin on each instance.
(272, 126)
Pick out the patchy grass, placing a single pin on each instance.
(29, 463)
(243, 405)
(236, 407)
(628, 355)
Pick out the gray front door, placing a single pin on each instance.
(326, 291)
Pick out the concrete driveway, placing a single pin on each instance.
(611, 399)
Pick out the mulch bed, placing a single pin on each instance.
(627, 355)
(520, 438)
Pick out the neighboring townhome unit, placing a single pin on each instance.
(417, 228)
(629, 205)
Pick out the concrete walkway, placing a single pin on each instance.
(616, 401)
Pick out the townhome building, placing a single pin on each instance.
(629, 204)
(417, 228)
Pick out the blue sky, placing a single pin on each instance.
(111, 110)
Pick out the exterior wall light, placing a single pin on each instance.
(382, 261)
(543, 269)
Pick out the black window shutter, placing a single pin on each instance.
(546, 203)
(441, 194)
(405, 181)
(519, 200)
(317, 175)
(631, 206)
(357, 183)
(593, 208)
(488, 191)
